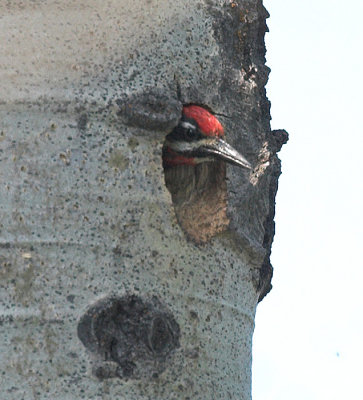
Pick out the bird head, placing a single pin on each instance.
(199, 138)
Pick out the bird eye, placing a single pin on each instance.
(190, 132)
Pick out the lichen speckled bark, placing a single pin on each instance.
(103, 294)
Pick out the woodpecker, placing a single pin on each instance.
(198, 187)
(197, 139)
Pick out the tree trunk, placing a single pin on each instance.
(105, 293)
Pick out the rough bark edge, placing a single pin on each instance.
(276, 140)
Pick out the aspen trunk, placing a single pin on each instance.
(104, 293)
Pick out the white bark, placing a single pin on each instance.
(85, 213)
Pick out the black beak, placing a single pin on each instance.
(221, 150)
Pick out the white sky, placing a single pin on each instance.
(308, 341)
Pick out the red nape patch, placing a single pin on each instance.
(206, 121)
(172, 158)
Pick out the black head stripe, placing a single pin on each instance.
(187, 131)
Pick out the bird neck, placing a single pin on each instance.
(171, 158)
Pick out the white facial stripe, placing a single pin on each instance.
(188, 125)
(199, 160)
(182, 147)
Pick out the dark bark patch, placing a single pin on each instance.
(151, 110)
(82, 122)
(129, 336)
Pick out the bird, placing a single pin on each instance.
(198, 138)
(194, 159)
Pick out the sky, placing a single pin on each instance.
(308, 341)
